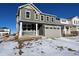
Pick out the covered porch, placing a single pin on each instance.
(28, 28)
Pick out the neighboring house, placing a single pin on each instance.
(75, 22)
(31, 21)
(4, 30)
(65, 27)
(70, 26)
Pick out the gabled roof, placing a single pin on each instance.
(70, 18)
(32, 5)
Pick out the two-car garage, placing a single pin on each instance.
(52, 31)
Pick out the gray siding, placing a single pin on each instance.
(23, 14)
(22, 17)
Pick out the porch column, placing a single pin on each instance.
(69, 29)
(65, 30)
(20, 29)
(36, 29)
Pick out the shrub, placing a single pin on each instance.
(71, 49)
(42, 51)
(6, 35)
(21, 44)
(60, 47)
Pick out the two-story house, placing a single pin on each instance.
(65, 27)
(31, 21)
(75, 22)
(70, 26)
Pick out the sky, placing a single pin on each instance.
(62, 10)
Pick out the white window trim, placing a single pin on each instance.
(43, 17)
(35, 16)
(51, 19)
(29, 15)
(48, 19)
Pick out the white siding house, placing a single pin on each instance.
(4, 30)
(70, 25)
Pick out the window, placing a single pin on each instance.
(57, 18)
(58, 28)
(47, 27)
(54, 27)
(27, 26)
(47, 18)
(52, 19)
(50, 27)
(24, 27)
(36, 16)
(27, 14)
(42, 17)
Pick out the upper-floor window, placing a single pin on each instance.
(52, 19)
(36, 16)
(57, 18)
(47, 18)
(42, 17)
(27, 14)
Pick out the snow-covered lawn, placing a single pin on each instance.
(64, 46)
